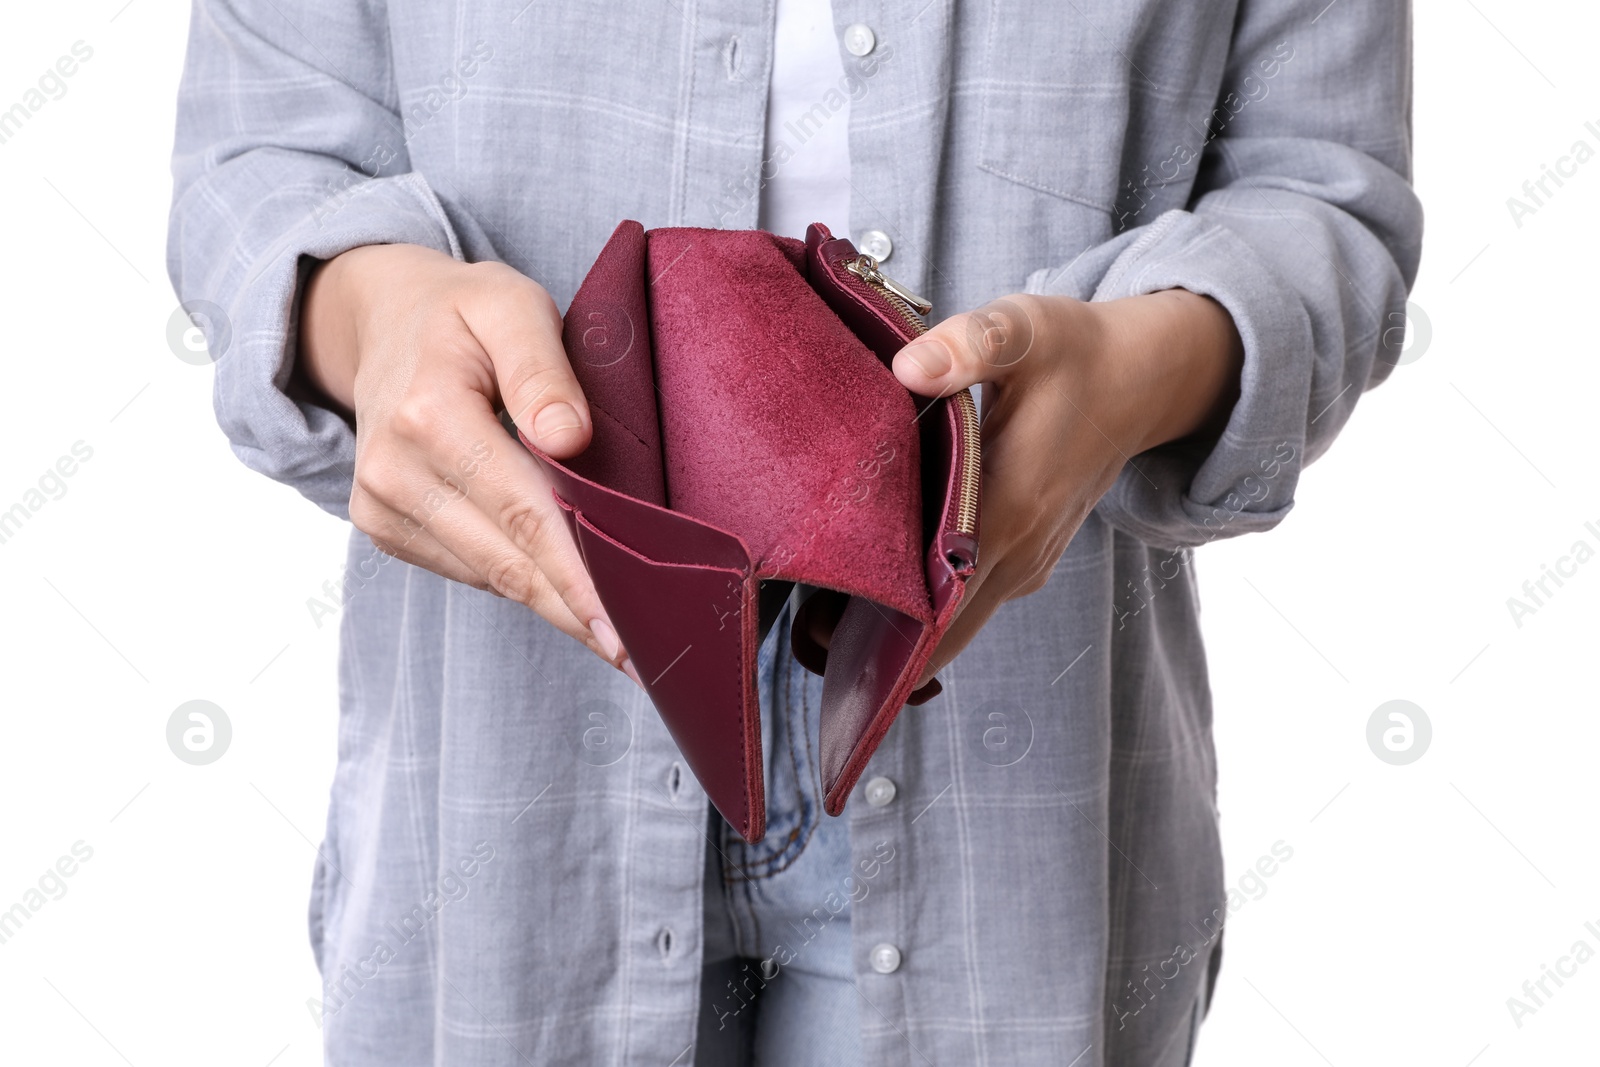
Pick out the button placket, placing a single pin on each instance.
(896, 86)
(879, 792)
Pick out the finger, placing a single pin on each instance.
(511, 489)
(1005, 570)
(417, 547)
(401, 511)
(990, 344)
(517, 324)
(507, 570)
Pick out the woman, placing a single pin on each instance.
(1179, 229)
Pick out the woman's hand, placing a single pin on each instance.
(422, 351)
(1072, 390)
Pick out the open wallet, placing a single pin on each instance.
(749, 435)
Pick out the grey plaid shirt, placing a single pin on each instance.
(514, 854)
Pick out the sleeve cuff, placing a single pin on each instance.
(300, 443)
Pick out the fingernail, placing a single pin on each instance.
(931, 358)
(607, 637)
(554, 419)
(631, 672)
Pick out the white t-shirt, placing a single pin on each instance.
(813, 183)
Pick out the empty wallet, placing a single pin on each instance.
(749, 435)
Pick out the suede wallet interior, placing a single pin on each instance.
(748, 435)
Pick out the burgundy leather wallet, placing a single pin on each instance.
(749, 435)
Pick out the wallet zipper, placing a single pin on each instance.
(866, 268)
(910, 308)
(971, 464)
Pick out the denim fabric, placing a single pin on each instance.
(777, 984)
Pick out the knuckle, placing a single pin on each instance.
(1034, 582)
(494, 272)
(512, 576)
(1042, 567)
(487, 275)
(500, 281)
(573, 590)
(526, 523)
(525, 289)
(1027, 306)
(486, 268)
(418, 417)
(374, 482)
(364, 512)
(383, 546)
(1020, 575)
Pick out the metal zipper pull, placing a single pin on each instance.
(866, 268)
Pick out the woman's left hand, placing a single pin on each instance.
(1071, 391)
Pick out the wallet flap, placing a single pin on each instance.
(664, 534)
(606, 333)
(690, 631)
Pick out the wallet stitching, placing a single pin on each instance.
(753, 785)
(619, 424)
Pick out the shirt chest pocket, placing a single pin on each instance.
(1072, 105)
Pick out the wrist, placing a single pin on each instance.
(326, 356)
(1175, 358)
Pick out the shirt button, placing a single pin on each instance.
(885, 959)
(876, 244)
(879, 791)
(859, 39)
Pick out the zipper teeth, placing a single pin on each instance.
(907, 312)
(971, 464)
(971, 455)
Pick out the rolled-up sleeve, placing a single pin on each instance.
(289, 150)
(1303, 225)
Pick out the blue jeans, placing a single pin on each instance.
(777, 985)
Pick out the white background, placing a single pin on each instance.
(1418, 899)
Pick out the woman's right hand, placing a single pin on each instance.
(422, 351)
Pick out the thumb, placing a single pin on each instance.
(517, 324)
(990, 344)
